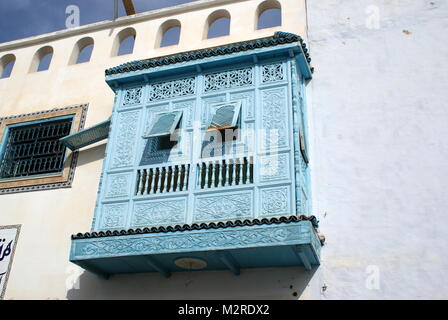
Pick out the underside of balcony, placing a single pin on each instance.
(235, 245)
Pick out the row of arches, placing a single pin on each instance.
(268, 15)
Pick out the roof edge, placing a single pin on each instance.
(198, 226)
(278, 38)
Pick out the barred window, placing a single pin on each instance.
(34, 149)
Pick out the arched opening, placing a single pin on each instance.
(82, 51)
(42, 59)
(269, 14)
(124, 42)
(6, 65)
(218, 24)
(169, 33)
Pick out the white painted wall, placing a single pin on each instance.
(379, 128)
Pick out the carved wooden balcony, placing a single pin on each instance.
(239, 202)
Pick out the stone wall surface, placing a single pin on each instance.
(378, 140)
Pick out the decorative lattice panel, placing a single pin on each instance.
(272, 73)
(228, 79)
(133, 96)
(172, 89)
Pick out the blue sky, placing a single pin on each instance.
(26, 18)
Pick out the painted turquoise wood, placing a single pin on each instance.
(262, 175)
(269, 88)
(87, 136)
(254, 246)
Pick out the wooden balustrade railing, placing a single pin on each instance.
(164, 179)
(212, 173)
(225, 172)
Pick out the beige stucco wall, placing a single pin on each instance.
(41, 269)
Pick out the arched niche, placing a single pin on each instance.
(168, 33)
(82, 51)
(6, 65)
(124, 42)
(268, 14)
(217, 24)
(42, 59)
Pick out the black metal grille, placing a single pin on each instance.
(35, 149)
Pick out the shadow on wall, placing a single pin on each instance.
(89, 155)
(268, 283)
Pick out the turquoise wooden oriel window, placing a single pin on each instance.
(160, 200)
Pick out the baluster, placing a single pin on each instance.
(164, 178)
(217, 173)
(234, 172)
(161, 179)
(188, 176)
(245, 167)
(137, 182)
(156, 179)
(240, 172)
(148, 181)
(207, 175)
(182, 178)
(212, 174)
(178, 170)
(198, 176)
(229, 172)
(151, 178)
(251, 170)
(203, 175)
(169, 179)
(225, 169)
(142, 191)
(221, 173)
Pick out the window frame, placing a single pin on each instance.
(48, 181)
(4, 147)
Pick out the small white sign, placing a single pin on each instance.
(8, 240)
